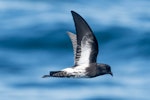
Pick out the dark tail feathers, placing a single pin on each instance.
(54, 73)
(60, 74)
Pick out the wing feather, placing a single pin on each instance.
(73, 39)
(87, 45)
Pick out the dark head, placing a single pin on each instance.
(104, 69)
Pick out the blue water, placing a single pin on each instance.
(33, 41)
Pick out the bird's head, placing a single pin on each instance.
(104, 69)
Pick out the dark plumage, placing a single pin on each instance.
(85, 48)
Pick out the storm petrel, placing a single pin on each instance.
(85, 48)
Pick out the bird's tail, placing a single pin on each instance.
(53, 74)
(58, 74)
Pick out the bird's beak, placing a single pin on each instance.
(111, 73)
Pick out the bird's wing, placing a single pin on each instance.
(87, 45)
(73, 39)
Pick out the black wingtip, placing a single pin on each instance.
(82, 27)
(76, 15)
(73, 12)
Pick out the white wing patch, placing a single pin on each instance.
(85, 52)
(78, 71)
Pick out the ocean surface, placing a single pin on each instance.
(33, 41)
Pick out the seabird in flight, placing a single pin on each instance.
(85, 48)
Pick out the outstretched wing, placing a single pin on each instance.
(73, 39)
(87, 45)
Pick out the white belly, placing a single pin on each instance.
(76, 71)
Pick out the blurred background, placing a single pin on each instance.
(33, 41)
